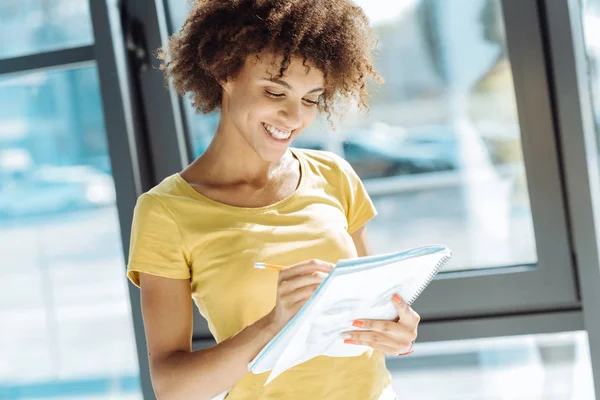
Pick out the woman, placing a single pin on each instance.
(270, 66)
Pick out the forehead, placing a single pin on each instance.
(267, 65)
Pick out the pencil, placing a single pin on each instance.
(273, 267)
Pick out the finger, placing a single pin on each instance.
(377, 346)
(401, 340)
(305, 267)
(398, 332)
(407, 350)
(406, 315)
(388, 327)
(359, 337)
(297, 282)
(299, 295)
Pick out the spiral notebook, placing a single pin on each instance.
(357, 288)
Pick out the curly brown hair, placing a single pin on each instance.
(218, 36)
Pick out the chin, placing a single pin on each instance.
(272, 149)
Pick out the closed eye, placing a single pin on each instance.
(282, 95)
(275, 95)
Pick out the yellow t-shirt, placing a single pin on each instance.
(179, 233)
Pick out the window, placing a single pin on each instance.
(63, 297)
(440, 152)
(548, 366)
(200, 128)
(591, 21)
(34, 26)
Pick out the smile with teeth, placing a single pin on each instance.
(276, 133)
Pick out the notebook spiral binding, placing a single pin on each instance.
(433, 273)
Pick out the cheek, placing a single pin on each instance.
(309, 115)
(261, 111)
(242, 102)
(249, 109)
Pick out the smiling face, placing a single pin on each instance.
(269, 112)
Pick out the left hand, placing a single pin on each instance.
(390, 337)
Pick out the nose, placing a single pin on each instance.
(291, 113)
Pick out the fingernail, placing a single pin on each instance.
(349, 341)
(358, 324)
(396, 299)
(345, 336)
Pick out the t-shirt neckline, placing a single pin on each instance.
(185, 184)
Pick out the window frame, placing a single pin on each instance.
(127, 144)
(580, 153)
(132, 173)
(551, 284)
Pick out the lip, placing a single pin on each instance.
(273, 139)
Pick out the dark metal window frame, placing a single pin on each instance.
(130, 160)
(574, 114)
(47, 60)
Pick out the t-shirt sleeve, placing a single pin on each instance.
(156, 244)
(358, 204)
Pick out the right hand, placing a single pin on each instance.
(295, 286)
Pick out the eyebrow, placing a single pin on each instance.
(287, 85)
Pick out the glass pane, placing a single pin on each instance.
(591, 29)
(200, 128)
(532, 367)
(440, 151)
(177, 12)
(64, 306)
(34, 26)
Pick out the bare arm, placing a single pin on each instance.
(179, 373)
(176, 371)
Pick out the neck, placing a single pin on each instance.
(229, 159)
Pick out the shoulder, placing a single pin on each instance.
(326, 163)
(319, 156)
(159, 213)
(171, 186)
(164, 197)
